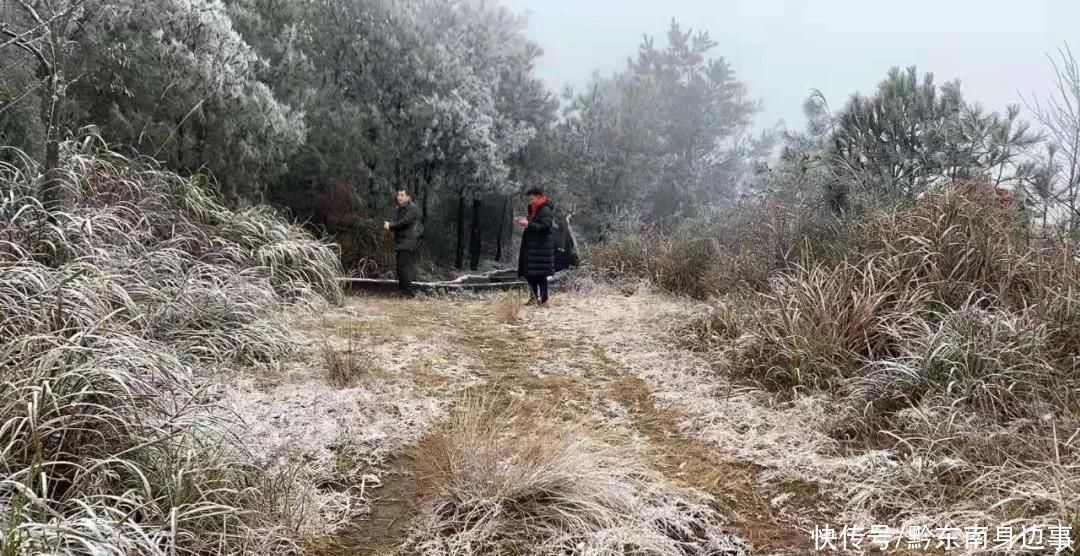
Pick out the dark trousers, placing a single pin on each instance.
(538, 288)
(405, 273)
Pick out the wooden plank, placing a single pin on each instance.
(473, 283)
(389, 286)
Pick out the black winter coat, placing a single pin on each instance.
(407, 227)
(537, 258)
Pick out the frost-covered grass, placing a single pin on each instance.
(507, 308)
(923, 372)
(113, 311)
(500, 481)
(348, 367)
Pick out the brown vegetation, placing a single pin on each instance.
(508, 308)
(942, 329)
(346, 368)
(497, 481)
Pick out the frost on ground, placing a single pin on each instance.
(497, 483)
(600, 394)
(808, 476)
(308, 425)
(338, 441)
(787, 440)
(742, 424)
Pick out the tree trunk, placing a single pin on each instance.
(52, 190)
(180, 139)
(501, 231)
(1074, 218)
(459, 252)
(424, 199)
(475, 239)
(1045, 207)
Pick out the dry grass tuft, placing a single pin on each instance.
(507, 308)
(347, 368)
(499, 481)
(819, 324)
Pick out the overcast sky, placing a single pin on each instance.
(783, 48)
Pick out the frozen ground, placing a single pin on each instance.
(604, 362)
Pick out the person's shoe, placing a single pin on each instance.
(532, 301)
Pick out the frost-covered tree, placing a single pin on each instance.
(666, 137)
(522, 97)
(433, 95)
(174, 79)
(602, 145)
(911, 134)
(171, 78)
(698, 122)
(482, 127)
(38, 41)
(1057, 182)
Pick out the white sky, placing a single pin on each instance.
(783, 48)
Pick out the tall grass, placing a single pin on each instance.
(733, 250)
(953, 334)
(926, 280)
(823, 322)
(111, 311)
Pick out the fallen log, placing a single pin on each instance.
(374, 285)
(493, 281)
(509, 275)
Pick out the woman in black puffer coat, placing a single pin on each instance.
(537, 260)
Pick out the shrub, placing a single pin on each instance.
(721, 326)
(679, 263)
(959, 241)
(821, 323)
(626, 256)
(994, 362)
(904, 271)
(366, 247)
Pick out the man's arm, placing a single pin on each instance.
(407, 220)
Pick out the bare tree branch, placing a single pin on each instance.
(22, 95)
(22, 36)
(30, 49)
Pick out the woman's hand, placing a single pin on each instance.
(523, 222)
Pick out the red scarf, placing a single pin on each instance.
(535, 206)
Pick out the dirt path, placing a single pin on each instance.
(565, 362)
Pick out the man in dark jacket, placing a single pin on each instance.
(537, 260)
(407, 228)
